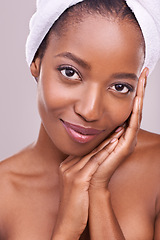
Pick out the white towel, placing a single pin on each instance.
(147, 13)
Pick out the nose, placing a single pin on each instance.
(90, 104)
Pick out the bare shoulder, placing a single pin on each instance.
(20, 176)
(20, 169)
(149, 142)
(149, 137)
(15, 163)
(12, 168)
(10, 171)
(148, 150)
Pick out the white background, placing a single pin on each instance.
(19, 120)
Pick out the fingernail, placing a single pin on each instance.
(113, 140)
(118, 129)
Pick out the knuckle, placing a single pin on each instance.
(67, 176)
(73, 179)
(126, 150)
(95, 160)
(129, 149)
(97, 149)
(103, 145)
(62, 167)
(108, 149)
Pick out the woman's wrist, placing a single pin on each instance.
(99, 191)
(64, 233)
(100, 196)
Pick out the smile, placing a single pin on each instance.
(81, 134)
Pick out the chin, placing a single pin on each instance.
(78, 152)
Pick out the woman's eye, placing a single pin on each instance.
(121, 88)
(70, 73)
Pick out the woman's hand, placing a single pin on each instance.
(75, 178)
(103, 222)
(125, 144)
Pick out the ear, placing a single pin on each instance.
(35, 68)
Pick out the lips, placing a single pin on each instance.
(81, 134)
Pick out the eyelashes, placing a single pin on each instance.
(72, 74)
(123, 88)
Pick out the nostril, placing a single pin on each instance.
(90, 105)
(87, 118)
(88, 113)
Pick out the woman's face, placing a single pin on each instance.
(87, 82)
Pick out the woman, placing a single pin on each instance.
(92, 173)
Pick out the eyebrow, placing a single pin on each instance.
(122, 75)
(74, 58)
(85, 65)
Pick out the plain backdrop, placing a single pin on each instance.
(19, 119)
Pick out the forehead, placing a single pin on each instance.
(100, 40)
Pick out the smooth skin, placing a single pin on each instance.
(108, 188)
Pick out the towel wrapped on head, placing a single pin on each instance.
(147, 13)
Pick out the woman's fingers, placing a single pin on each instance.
(80, 162)
(136, 116)
(87, 165)
(67, 163)
(96, 160)
(133, 127)
(115, 135)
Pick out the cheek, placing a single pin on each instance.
(120, 110)
(51, 95)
